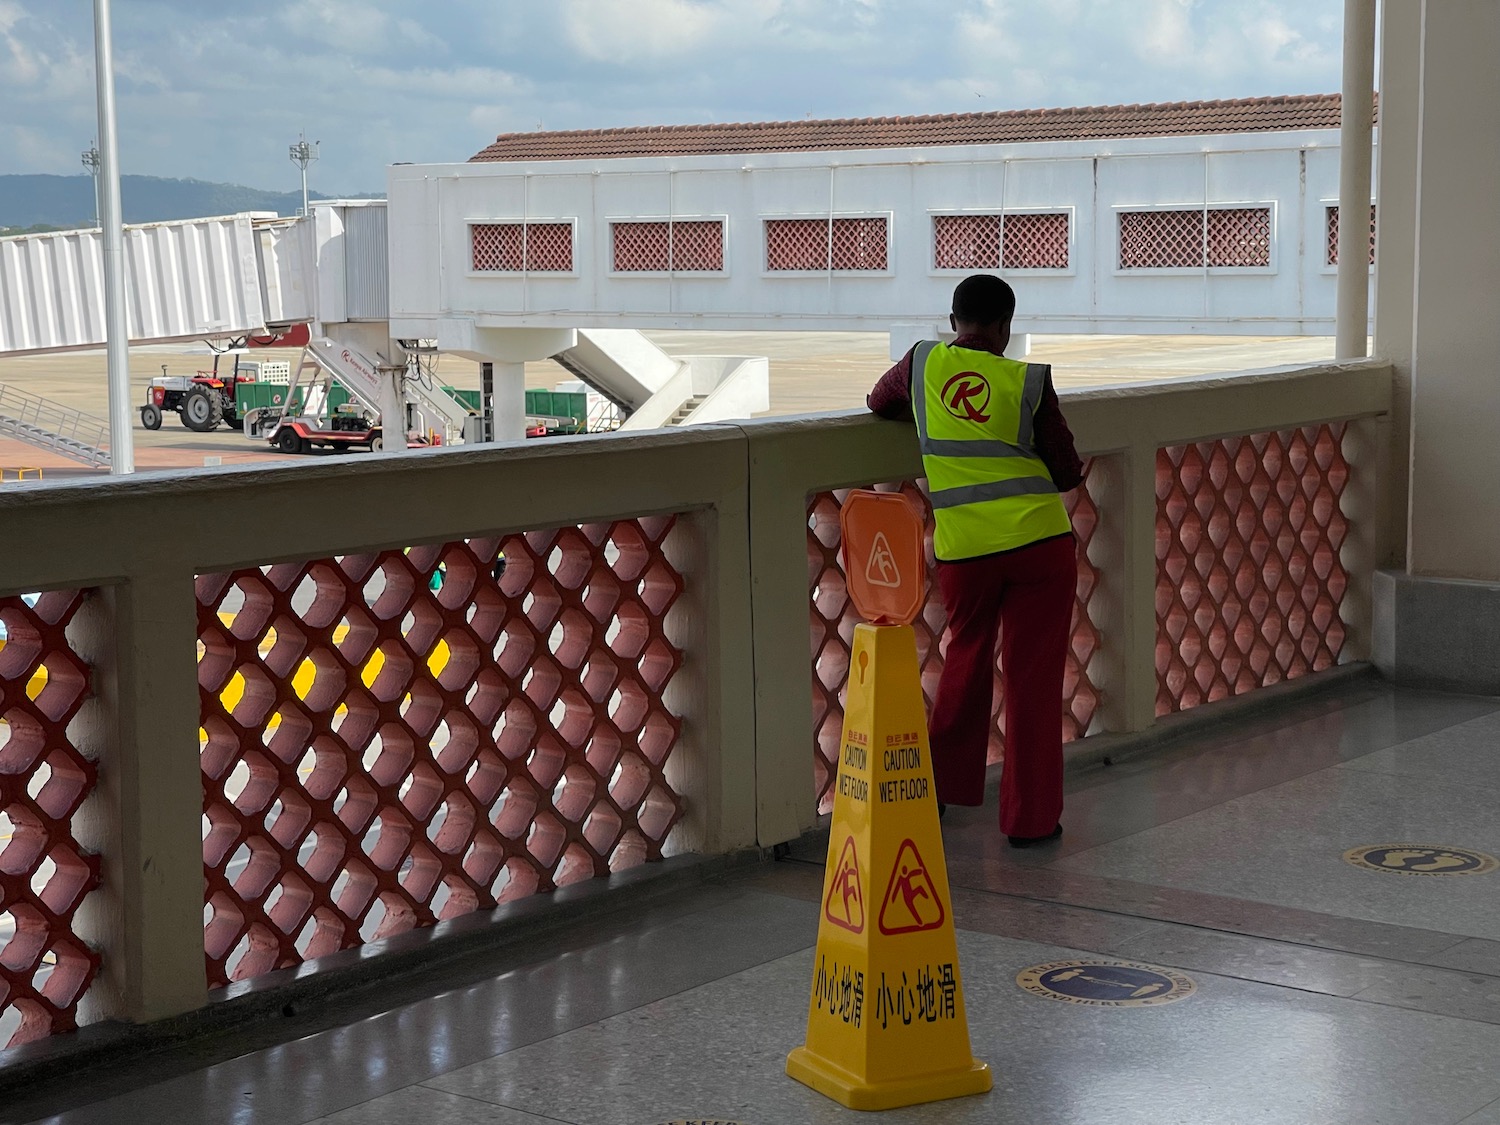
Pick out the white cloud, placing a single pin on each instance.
(611, 31)
(357, 27)
(218, 91)
(1166, 32)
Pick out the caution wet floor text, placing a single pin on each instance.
(886, 1025)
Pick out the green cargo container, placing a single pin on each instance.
(270, 396)
(571, 407)
(470, 399)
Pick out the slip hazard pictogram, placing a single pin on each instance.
(845, 905)
(911, 902)
(882, 570)
(885, 565)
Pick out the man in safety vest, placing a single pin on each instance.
(998, 455)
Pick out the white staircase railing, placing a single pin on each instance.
(360, 376)
(51, 426)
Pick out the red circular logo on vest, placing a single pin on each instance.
(967, 396)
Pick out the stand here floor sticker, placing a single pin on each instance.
(1421, 859)
(1106, 984)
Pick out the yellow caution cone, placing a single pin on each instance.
(886, 1025)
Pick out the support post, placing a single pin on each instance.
(151, 917)
(1395, 280)
(393, 425)
(1123, 609)
(112, 240)
(487, 401)
(509, 402)
(1352, 317)
(1137, 703)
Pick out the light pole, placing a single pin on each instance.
(112, 238)
(91, 162)
(302, 155)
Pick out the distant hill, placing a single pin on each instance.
(68, 201)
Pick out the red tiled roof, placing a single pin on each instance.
(1166, 119)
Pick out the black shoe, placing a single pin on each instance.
(1032, 841)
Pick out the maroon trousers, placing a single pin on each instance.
(1026, 596)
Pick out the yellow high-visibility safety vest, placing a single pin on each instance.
(975, 412)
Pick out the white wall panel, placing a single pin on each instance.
(183, 281)
(1093, 181)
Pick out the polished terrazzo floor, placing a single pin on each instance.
(1326, 994)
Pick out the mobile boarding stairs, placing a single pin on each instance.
(59, 429)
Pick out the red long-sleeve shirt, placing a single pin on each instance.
(891, 398)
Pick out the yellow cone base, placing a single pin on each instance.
(846, 1089)
(886, 1025)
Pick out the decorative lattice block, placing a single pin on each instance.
(393, 739)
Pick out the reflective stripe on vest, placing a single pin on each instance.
(975, 415)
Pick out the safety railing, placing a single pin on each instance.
(1228, 529)
(395, 738)
(49, 854)
(53, 418)
(340, 713)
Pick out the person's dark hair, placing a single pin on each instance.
(983, 298)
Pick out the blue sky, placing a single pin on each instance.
(218, 90)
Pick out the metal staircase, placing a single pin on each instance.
(56, 428)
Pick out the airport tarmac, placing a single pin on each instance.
(810, 371)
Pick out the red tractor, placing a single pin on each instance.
(204, 400)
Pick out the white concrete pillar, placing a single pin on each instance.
(507, 350)
(1438, 622)
(509, 402)
(1396, 247)
(1353, 315)
(1455, 458)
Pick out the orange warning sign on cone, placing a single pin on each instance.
(886, 1025)
(885, 563)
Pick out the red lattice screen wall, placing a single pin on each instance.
(833, 619)
(522, 247)
(380, 754)
(1220, 237)
(1031, 241)
(45, 873)
(695, 245)
(1035, 241)
(1249, 581)
(1331, 244)
(815, 244)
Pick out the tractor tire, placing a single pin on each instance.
(201, 410)
(289, 440)
(151, 416)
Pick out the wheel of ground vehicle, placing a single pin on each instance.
(151, 416)
(201, 410)
(231, 419)
(288, 440)
(376, 445)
